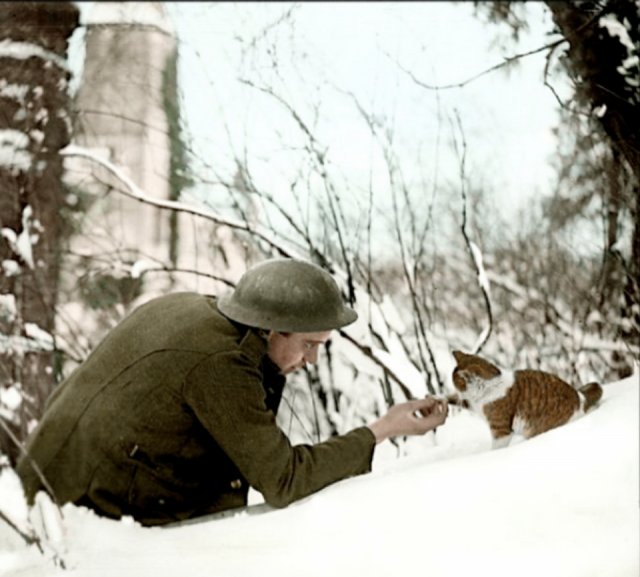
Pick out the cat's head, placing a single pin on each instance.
(471, 371)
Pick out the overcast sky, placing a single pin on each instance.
(310, 54)
(361, 47)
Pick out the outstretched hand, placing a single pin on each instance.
(411, 418)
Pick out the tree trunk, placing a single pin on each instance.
(598, 60)
(604, 41)
(34, 126)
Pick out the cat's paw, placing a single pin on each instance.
(501, 442)
(457, 401)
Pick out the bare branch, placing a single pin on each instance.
(29, 538)
(473, 249)
(319, 156)
(409, 272)
(169, 269)
(32, 462)
(133, 191)
(369, 352)
(506, 62)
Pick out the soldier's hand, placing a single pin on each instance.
(411, 418)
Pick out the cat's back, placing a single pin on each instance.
(544, 398)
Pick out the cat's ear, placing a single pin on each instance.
(458, 356)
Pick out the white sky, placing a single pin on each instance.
(355, 47)
(325, 48)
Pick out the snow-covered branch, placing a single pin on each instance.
(474, 251)
(562, 320)
(132, 190)
(25, 50)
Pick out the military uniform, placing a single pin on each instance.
(173, 416)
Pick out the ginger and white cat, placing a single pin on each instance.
(522, 402)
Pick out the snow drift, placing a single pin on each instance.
(562, 504)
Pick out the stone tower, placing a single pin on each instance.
(122, 116)
(122, 105)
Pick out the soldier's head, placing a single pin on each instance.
(297, 302)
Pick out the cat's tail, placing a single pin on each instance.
(591, 394)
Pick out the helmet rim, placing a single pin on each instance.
(287, 295)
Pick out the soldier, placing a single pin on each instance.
(172, 416)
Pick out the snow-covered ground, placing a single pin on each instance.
(564, 504)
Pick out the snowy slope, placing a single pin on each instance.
(563, 504)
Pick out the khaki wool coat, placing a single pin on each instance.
(172, 416)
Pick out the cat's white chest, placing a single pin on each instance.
(481, 393)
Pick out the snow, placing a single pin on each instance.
(563, 504)
(16, 344)
(44, 339)
(407, 373)
(615, 28)
(10, 267)
(37, 136)
(25, 50)
(139, 267)
(600, 111)
(10, 398)
(35, 339)
(13, 150)
(483, 281)
(8, 310)
(21, 244)
(16, 92)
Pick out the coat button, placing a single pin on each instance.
(236, 484)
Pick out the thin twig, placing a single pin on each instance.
(294, 414)
(169, 269)
(29, 538)
(319, 157)
(506, 62)
(32, 462)
(419, 326)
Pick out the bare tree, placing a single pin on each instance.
(333, 220)
(34, 112)
(599, 51)
(603, 59)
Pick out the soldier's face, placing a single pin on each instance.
(292, 351)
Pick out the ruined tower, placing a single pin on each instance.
(127, 114)
(122, 116)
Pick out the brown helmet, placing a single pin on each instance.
(288, 296)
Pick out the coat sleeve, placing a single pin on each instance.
(225, 392)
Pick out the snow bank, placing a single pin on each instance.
(564, 504)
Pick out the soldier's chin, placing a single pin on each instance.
(292, 369)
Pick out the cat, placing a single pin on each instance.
(522, 402)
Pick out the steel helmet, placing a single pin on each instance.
(288, 296)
